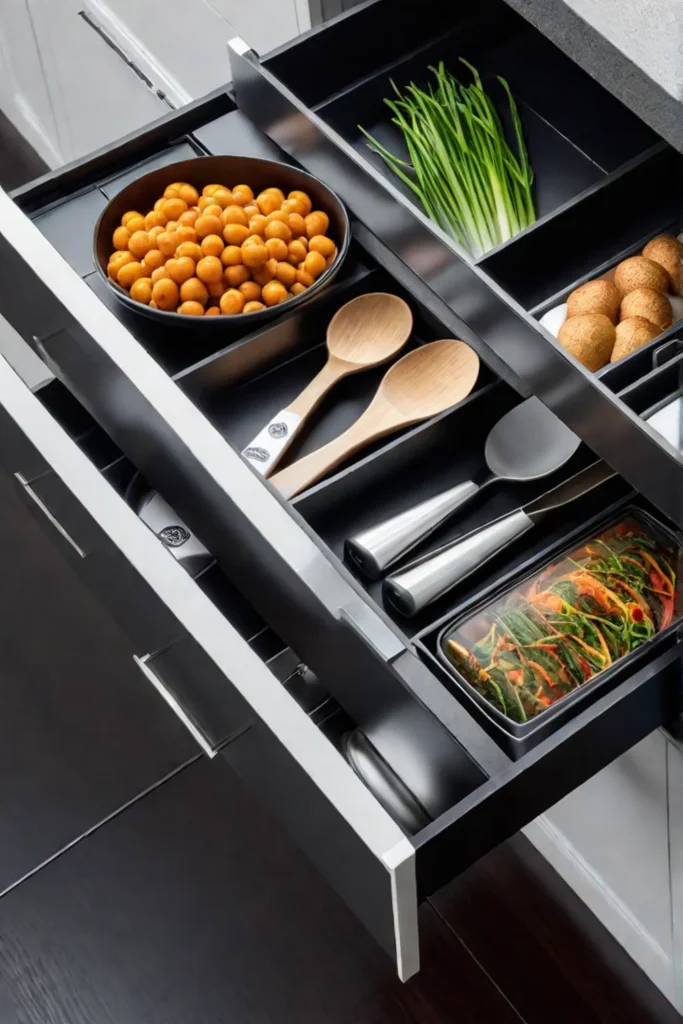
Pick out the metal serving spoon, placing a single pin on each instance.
(527, 443)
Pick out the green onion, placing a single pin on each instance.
(461, 167)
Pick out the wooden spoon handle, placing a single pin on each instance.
(272, 441)
(307, 471)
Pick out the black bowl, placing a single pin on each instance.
(229, 170)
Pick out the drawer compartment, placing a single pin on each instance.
(582, 227)
(180, 415)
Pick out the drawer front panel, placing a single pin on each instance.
(372, 888)
(208, 674)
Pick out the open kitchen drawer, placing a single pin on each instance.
(440, 790)
(605, 184)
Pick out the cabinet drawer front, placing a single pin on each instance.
(489, 295)
(208, 674)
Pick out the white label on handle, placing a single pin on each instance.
(269, 444)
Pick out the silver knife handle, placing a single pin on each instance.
(420, 584)
(376, 548)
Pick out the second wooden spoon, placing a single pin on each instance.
(365, 332)
(422, 384)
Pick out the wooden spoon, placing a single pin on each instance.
(422, 384)
(365, 332)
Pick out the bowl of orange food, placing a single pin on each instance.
(222, 239)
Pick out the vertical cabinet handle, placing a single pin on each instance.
(147, 671)
(46, 512)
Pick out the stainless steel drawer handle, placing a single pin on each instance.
(46, 511)
(145, 668)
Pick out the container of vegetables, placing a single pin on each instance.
(528, 657)
(471, 180)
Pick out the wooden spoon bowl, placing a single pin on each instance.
(422, 384)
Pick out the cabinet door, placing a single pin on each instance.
(96, 96)
(24, 95)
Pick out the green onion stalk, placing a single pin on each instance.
(461, 167)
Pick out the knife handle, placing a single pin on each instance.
(431, 577)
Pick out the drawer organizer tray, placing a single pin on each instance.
(178, 411)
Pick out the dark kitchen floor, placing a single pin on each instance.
(140, 884)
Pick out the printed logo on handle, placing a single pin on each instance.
(278, 430)
(257, 454)
(174, 536)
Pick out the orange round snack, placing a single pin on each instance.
(253, 307)
(165, 294)
(235, 215)
(118, 260)
(303, 277)
(153, 260)
(297, 225)
(297, 288)
(207, 225)
(274, 293)
(189, 194)
(278, 229)
(187, 219)
(184, 233)
(251, 291)
(314, 264)
(216, 288)
(277, 249)
(235, 234)
(167, 243)
(181, 269)
(159, 274)
(257, 224)
(297, 252)
(174, 208)
(213, 311)
(194, 290)
(231, 256)
(317, 223)
(127, 216)
(121, 238)
(235, 276)
(154, 233)
(286, 273)
(252, 210)
(266, 273)
(254, 255)
(156, 219)
(209, 269)
(303, 199)
(135, 224)
(191, 309)
(267, 203)
(141, 290)
(190, 249)
(243, 195)
(129, 273)
(212, 245)
(322, 244)
(223, 197)
(232, 302)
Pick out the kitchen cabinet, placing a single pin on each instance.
(443, 789)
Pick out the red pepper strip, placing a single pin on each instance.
(544, 675)
(667, 611)
(516, 677)
(658, 569)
